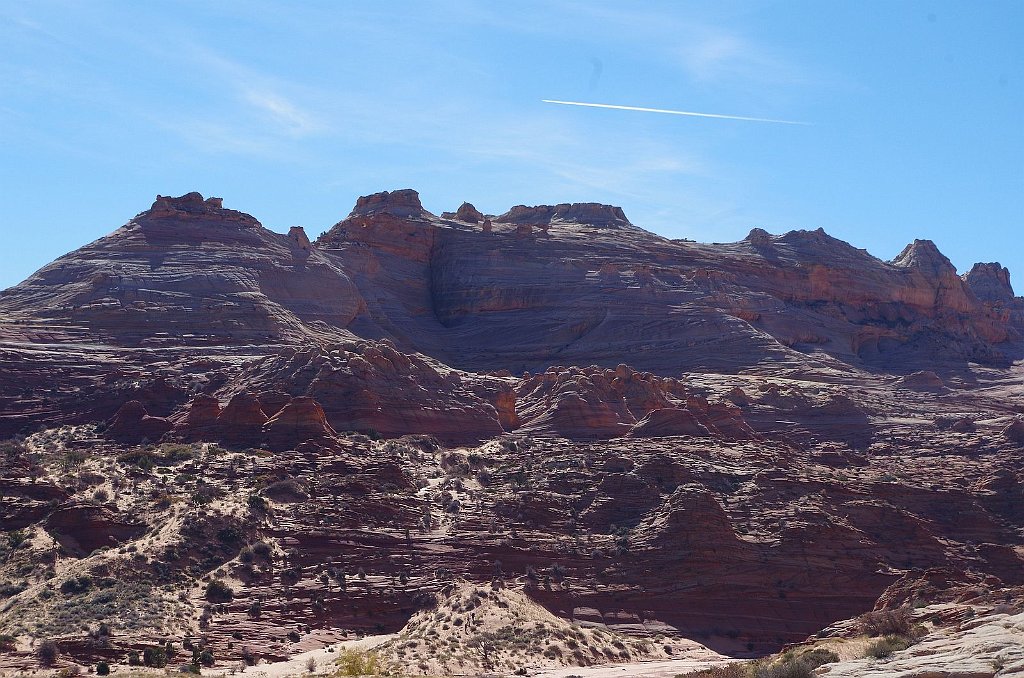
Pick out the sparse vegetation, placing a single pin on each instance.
(884, 647)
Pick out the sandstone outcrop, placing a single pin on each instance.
(589, 213)
(990, 283)
(466, 212)
(80, 530)
(241, 421)
(300, 420)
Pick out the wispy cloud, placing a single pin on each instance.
(672, 112)
(284, 113)
(264, 95)
(714, 55)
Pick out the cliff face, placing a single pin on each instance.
(739, 443)
(187, 271)
(538, 286)
(578, 284)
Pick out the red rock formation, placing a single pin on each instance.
(300, 420)
(241, 422)
(669, 421)
(83, 529)
(132, 424)
(784, 481)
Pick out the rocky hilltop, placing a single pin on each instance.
(262, 442)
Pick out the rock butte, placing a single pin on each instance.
(738, 443)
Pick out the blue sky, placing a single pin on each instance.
(289, 112)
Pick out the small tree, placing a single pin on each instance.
(47, 652)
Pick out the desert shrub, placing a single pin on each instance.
(13, 448)
(219, 592)
(256, 503)
(288, 489)
(263, 550)
(71, 459)
(102, 668)
(206, 658)
(311, 664)
(47, 652)
(9, 588)
(76, 585)
(155, 657)
(819, 656)
(356, 663)
(101, 495)
(172, 453)
(883, 647)
(142, 458)
(7, 643)
(246, 556)
(789, 666)
(15, 538)
(230, 534)
(886, 622)
(204, 494)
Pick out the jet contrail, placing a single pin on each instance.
(664, 110)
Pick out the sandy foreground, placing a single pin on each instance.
(296, 666)
(654, 669)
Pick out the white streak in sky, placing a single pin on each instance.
(670, 112)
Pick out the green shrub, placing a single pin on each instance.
(219, 592)
(76, 585)
(155, 657)
(357, 663)
(102, 668)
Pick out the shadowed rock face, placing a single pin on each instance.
(739, 443)
(990, 283)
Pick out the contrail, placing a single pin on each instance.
(670, 112)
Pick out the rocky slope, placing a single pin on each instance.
(737, 444)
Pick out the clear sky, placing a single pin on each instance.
(291, 111)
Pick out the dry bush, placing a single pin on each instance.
(887, 622)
